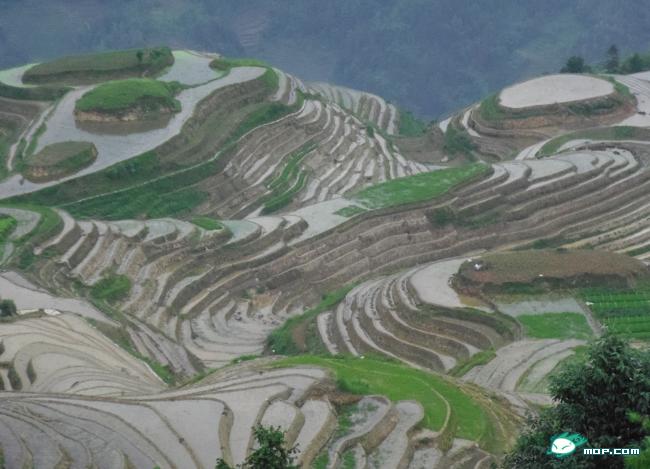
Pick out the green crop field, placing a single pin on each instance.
(123, 63)
(556, 326)
(400, 382)
(418, 188)
(120, 95)
(624, 312)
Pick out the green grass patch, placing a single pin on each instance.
(480, 358)
(410, 125)
(399, 382)
(556, 326)
(619, 87)
(90, 67)
(420, 187)
(350, 211)
(111, 288)
(293, 336)
(135, 93)
(622, 132)
(7, 226)
(207, 223)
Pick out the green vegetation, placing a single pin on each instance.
(111, 288)
(556, 326)
(348, 461)
(622, 132)
(271, 451)
(527, 384)
(38, 93)
(441, 216)
(226, 63)
(105, 65)
(157, 198)
(396, 381)
(633, 63)
(490, 110)
(480, 358)
(350, 211)
(411, 126)
(141, 94)
(207, 223)
(29, 151)
(599, 399)
(575, 64)
(458, 142)
(289, 182)
(133, 188)
(8, 308)
(298, 334)
(264, 113)
(7, 226)
(48, 226)
(58, 160)
(622, 311)
(420, 187)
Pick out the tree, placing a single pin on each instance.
(139, 55)
(7, 308)
(633, 64)
(271, 453)
(595, 399)
(575, 64)
(612, 64)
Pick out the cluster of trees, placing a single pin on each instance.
(612, 64)
(606, 399)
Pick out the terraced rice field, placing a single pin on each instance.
(448, 408)
(161, 275)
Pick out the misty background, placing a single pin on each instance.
(428, 56)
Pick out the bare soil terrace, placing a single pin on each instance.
(525, 267)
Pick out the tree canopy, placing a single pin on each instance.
(271, 453)
(606, 399)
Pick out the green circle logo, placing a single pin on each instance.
(565, 444)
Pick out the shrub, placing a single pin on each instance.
(112, 288)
